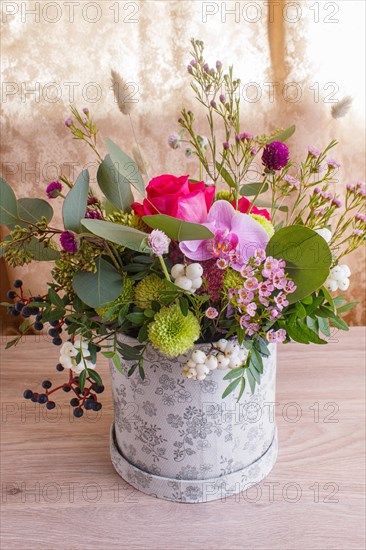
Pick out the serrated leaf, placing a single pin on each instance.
(75, 203)
(178, 230)
(114, 185)
(125, 166)
(118, 234)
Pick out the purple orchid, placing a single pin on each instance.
(237, 236)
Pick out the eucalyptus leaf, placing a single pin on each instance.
(114, 185)
(251, 189)
(8, 205)
(225, 175)
(178, 230)
(41, 252)
(307, 257)
(32, 210)
(118, 234)
(125, 166)
(283, 135)
(75, 203)
(99, 288)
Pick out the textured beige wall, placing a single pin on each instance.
(69, 61)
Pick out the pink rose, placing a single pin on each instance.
(176, 197)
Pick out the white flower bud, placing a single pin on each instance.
(194, 271)
(196, 283)
(177, 271)
(198, 356)
(211, 362)
(221, 344)
(343, 284)
(222, 361)
(184, 283)
(346, 270)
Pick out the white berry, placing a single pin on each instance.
(184, 283)
(222, 361)
(331, 285)
(198, 356)
(191, 364)
(193, 271)
(221, 344)
(232, 349)
(343, 284)
(196, 283)
(211, 362)
(346, 270)
(177, 271)
(337, 273)
(235, 362)
(202, 370)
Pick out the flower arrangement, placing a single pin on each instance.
(197, 259)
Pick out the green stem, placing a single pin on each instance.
(163, 266)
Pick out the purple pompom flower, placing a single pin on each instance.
(275, 155)
(69, 241)
(53, 189)
(158, 242)
(68, 122)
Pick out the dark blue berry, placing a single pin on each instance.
(78, 390)
(74, 402)
(26, 311)
(66, 388)
(19, 306)
(17, 283)
(89, 404)
(59, 367)
(39, 317)
(38, 326)
(11, 294)
(78, 413)
(98, 389)
(28, 394)
(46, 384)
(14, 312)
(34, 397)
(34, 310)
(51, 405)
(57, 341)
(97, 406)
(67, 322)
(53, 332)
(54, 323)
(43, 398)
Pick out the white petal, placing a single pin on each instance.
(68, 349)
(66, 361)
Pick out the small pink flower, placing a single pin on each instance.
(251, 283)
(273, 313)
(252, 328)
(281, 300)
(245, 296)
(279, 281)
(281, 335)
(221, 263)
(263, 301)
(358, 232)
(290, 287)
(246, 271)
(265, 288)
(271, 336)
(313, 152)
(260, 253)
(351, 187)
(211, 313)
(244, 321)
(251, 309)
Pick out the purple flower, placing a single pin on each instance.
(358, 232)
(360, 184)
(218, 64)
(336, 202)
(251, 309)
(293, 182)
(226, 145)
(86, 111)
(275, 155)
(92, 200)
(281, 335)
(361, 217)
(236, 236)
(254, 151)
(247, 135)
(158, 242)
(68, 122)
(69, 241)
(53, 189)
(222, 98)
(361, 192)
(333, 164)
(213, 104)
(350, 187)
(174, 141)
(313, 152)
(93, 214)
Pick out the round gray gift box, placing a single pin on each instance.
(177, 439)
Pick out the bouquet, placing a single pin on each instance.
(200, 258)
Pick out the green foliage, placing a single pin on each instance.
(307, 257)
(178, 230)
(283, 135)
(114, 185)
(116, 233)
(125, 166)
(33, 210)
(8, 205)
(74, 207)
(99, 288)
(251, 189)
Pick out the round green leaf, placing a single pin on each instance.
(32, 210)
(99, 288)
(307, 255)
(74, 207)
(8, 205)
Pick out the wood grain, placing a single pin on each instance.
(59, 489)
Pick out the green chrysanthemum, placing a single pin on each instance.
(125, 297)
(171, 332)
(148, 289)
(266, 224)
(224, 196)
(232, 279)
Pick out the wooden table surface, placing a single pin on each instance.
(59, 489)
